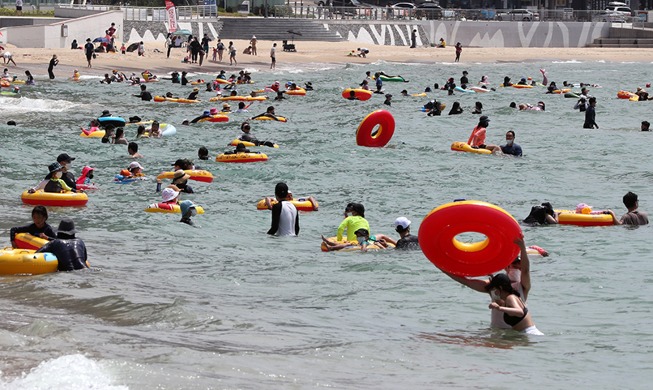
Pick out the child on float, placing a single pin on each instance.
(38, 228)
(134, 170)
(362, 237)
(268, 113)
(53, 182)
(85, 177)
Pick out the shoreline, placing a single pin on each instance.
(311, 55)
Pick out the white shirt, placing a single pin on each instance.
(287, 219)
(19, 3)
(273, 51)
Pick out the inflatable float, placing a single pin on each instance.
(169, 208)
(522, 86)
(26, 262)
(296, 92)
(460, 89)
(94, 132)
(241, 157)
(571, 217)
(464, 147)
(174, 100)
(561, 91)
(61, 199)
(248, 144)
(359, 94)
(627, 95)
(479, 89)
(440, 228)
(393, 79)
(195, 174)
(28, 241)
(365, 134)
(8, 93)
(355, 247)
(301, 204)
(166, 130)
(217, 118)
(267, 118)
(238, 98)
(111, 121)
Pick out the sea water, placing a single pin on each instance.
(223, 305)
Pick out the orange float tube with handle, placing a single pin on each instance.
(359, 93)
(365, 135)
(438, 231)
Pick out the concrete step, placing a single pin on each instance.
(276, 29)
(622, 45)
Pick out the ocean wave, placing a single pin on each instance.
(65, 372)
(25, 104)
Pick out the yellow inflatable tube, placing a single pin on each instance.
(26, 262)
(464, 147)
(354, 246)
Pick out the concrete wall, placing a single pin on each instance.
(11, 21)
(475, 34)
(157, 31)
(50, 36)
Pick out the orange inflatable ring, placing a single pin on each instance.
(438, 231)
(359, 93)
(365, 135)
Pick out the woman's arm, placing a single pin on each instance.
(512, 306)
(525, 267)
(474, 284)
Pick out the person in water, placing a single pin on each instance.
(38, 228)
(193, 95)
(67, 176)
(145, 95)
(53, 182)
(511, 147)
(519, 277)
(132, 149)
(477, 138)
(590, 115)
(285, 218)
(354, 222)
(86, 176)
(180, 179)
(388, 99)
(188, 210)
(363, 239)
(268, 113)
(205, 114)
(248, 137)
(203, 153)
(456, 109)
(633, 216)
(541, 215)
(406, 240)
(120, 137)
(70, 251)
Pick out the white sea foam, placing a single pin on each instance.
(66, 372)
(25, 104)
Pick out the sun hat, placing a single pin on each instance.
(196, 89)
(226, 105)
(403, 222)
(55, 167)
(484, 119)
(67, 226)
(134, 164)
(169, 194)
(214, 111)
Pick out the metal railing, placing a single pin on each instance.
(298, 10)
(153, 14)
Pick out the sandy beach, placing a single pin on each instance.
(309, 54)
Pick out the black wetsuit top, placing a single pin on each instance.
(69, 179)
(70, 253)
(33, 230)
(408, 242)
(512, 321)
(193, 96)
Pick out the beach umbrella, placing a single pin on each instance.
(132, 47)
(102, 40)
(182, 33)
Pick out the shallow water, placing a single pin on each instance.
(226, 306)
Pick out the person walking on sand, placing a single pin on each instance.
(413, 39)
(220, 47)
(88, 50)
(232, 53)
(53, 62)
(273, 56)
(252, 42)
(459, 49)
(141, 49)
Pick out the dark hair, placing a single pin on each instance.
(133, 146)
(400, 229)
(40, 210)
(119, 132)
(511, 132)
(513, 105)
(203, 153)
(270, 108)
(478, 104)
(592, 99)
(359, 209)
(502, 282)
(362, 232)
(645, 123)
(538, 214)
(630, 199)
(281, 190)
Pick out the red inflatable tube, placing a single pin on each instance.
(438, 231)
(386, 123)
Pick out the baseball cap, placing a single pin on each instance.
(64, 157)
(134, 165)
(403, 222)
